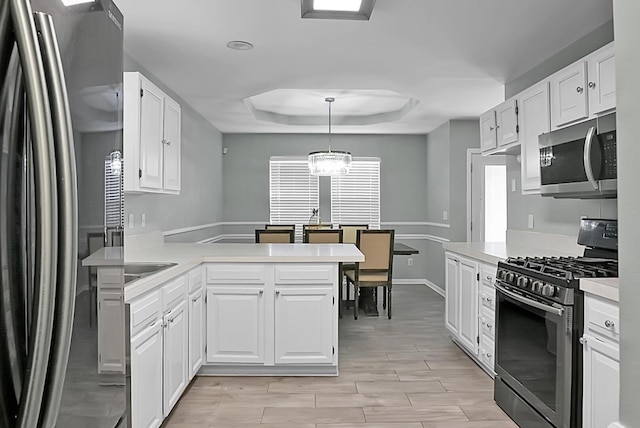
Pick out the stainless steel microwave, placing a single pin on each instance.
(580, 161)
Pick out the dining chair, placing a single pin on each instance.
(323, 236)
(264, 236)
(280, 226)
(324, 226)
(376, 270)
(95, 241)
(349, 237)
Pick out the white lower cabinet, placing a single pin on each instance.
(110, 315)
(601, 359)
(159, 325)
(196, 332)
(470, 306)
(304, 325)
(235, 324)
(176, 355)
(271, 315)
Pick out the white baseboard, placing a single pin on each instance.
(426, 282)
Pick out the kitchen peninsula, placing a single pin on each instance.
(228, 309)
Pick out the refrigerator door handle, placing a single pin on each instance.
(67, 218)
(39, 111)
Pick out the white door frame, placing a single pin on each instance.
(470, 154)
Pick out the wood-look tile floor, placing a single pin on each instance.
(398, 373)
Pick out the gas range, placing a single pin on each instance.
(554, 278)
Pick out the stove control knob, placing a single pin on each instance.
(501, 274)
(511, 278)
(524, 282)
(548, 290)
(537, 286)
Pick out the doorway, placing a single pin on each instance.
(486, 197)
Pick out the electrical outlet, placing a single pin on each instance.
(131, 221)
(143, 220)
(410, 261)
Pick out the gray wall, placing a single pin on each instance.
(554, 215)
(200, 200)
(627, 16)
(446, 188)
(402, 170)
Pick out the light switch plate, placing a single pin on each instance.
(530, 221)
(445, 215)
(513, 184)
(143, 220)
(131, 221)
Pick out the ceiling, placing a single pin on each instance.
(447, 59)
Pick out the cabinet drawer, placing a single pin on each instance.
(111, 277)
(602, 317)
(487, 323)
(144, 312)
(488, 298)
(487, 352)
(305, 274)
(173, 293)
(195, 279)
(488, 274)
(236, 274)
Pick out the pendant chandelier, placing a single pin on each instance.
(328, 162)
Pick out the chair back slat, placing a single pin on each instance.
(323, 236)
(377, 247)
(280, 227)
(350, 232)
(276, 236)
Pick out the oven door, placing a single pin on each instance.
(534, 352)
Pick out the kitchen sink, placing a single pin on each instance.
(135, 271)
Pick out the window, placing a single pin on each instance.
(293, 192)
(355, 197)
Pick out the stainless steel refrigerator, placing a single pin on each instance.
(60, 118)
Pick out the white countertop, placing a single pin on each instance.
(188, 256)
(603, 287)
(106, 256)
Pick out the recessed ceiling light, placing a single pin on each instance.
(337, 5)
(337, 9)
(75, 2)
(239, 45)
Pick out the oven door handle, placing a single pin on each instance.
(530, 302)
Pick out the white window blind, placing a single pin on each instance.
(355, 197)
(293, 192)
(113, 197)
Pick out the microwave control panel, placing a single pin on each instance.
(609, 147)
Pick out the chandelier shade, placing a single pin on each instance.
(327, 163)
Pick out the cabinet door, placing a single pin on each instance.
(469, 304)
(304, 325)
(151, 130)
(196, 332)
(569, 95)
(235, 324)
(507, 123)
(176, 355)
(601, 395)
(172, 142)
(534, 120)
(488, 130)
(602, 80)
(452, 293)
(146, 377)
(111, 332)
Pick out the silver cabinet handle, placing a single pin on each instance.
(277, 292)
(171, 320)
(167, 142)
(592, 85)
(609, 324)
(489, 278)
(261, 291)
(579, 89)
(583, 340)
(195, 299)
(491, 128)
(489, 325)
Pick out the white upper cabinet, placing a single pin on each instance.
(602, 80)
(569, 95)
(534, 120)
(152, 137)
(499, 127)
(585, 89)
(488, 131)
(507, 123)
